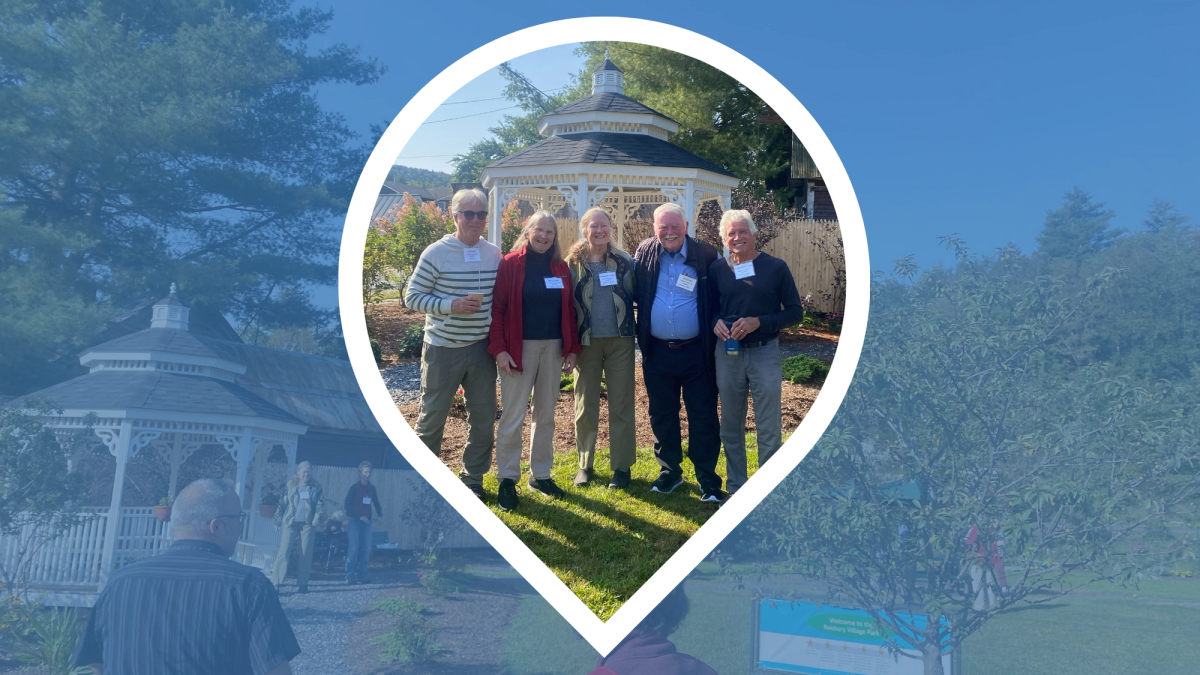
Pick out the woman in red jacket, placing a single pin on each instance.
(533, 337)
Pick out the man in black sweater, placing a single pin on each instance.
(676, 309)
(757, 298)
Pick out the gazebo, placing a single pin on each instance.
(163, 390)
(605, 150)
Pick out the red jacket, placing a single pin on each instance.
(505, 334)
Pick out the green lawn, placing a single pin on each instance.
(1099, 631)
(605, 543)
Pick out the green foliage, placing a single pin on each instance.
(961, 416)
(566, 381)
(510, 226)
(411, 639)
(804, 368)
(146, 167)
(411, 342)
(400, 238)
(420, 177)
(270, 499)
(50, 640)
(376, 350)
(38, 496)
(166, 501)
(379, 256)
(1078, 228)
(720, 119)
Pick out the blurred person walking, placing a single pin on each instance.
(452, 284)
(301, 515)
(602, 283)
(191, 609)
(533, 338)
(361, 499)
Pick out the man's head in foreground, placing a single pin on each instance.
(210, 510)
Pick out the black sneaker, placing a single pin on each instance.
(302, 590)
(364, 580)
(620, 479)
(350, 582)
(583, 478)
(547, 487)
(506, 497)
(477, 490)
(713, 495)
(666, 483)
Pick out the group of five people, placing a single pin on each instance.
(707, 326)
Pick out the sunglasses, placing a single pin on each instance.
(240, 516)
(478, 215)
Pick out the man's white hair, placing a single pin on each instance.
(736, 214)
(670, 207)
(470, 194)
(200, 502)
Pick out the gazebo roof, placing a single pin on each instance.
(607, 102)
(164, 392)
(173, 340)
(599, 147)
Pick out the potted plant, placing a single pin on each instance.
(162, 510)
(268, 505)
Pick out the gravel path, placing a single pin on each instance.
(322, 619)
(404, 379)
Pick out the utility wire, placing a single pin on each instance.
(487, 112)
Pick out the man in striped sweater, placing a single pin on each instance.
(452, 284)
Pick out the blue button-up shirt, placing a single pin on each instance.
(673, 315)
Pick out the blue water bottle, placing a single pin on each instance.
(731, 344)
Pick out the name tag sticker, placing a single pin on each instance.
(686, 283)
(608, 278)
(471, 255)
(554, 282)
(366, 500)
(744, 270)
(304, 494)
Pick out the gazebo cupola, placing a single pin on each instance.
(606, 150)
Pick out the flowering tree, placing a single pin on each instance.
(396, 242)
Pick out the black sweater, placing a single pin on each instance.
(541, 307)
(770, 295)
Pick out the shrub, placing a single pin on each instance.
(410, 343)
(566, 381)
(50, 639)
(376, 350)
(804, 368)
(510, 226)
(411, 637)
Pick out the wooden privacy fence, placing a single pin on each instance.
(812, 249)
(399, 490)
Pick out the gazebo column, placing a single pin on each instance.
(122, 445)
(241, 449)
(260, 471)
(494, 215)
(689, 206)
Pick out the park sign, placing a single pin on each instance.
(818, 639)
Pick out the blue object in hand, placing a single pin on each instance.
(731, 345)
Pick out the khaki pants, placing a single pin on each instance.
(541, 367)
(443, 370)
(294, 534)
(614, 358)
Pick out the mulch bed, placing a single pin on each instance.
(471, 622)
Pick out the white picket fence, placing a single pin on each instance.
(75, 557)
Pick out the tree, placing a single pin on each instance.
(720, 119)
(425, 178)
(146, 143)
(1163, 215)
(1078, 228)
(959, 426)
(39, 496)
(396, 242)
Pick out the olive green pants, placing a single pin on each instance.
(612, 358)
(294, 534)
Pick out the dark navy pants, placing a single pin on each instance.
(668, 374)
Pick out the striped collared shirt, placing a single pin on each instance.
(187, 611)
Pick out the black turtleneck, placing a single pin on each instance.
(541, 307)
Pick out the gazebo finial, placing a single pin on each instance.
(169, 312)
(608, 78)
(173, 288)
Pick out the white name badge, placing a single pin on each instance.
(686, 283)
(744, 270)
(554, 282)
(304, 494)
(367, 500)
(608, 278)
(471, 255)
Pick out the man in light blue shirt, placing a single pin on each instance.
(675, 299)
(673, 315)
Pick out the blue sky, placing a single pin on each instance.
(972, 120)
